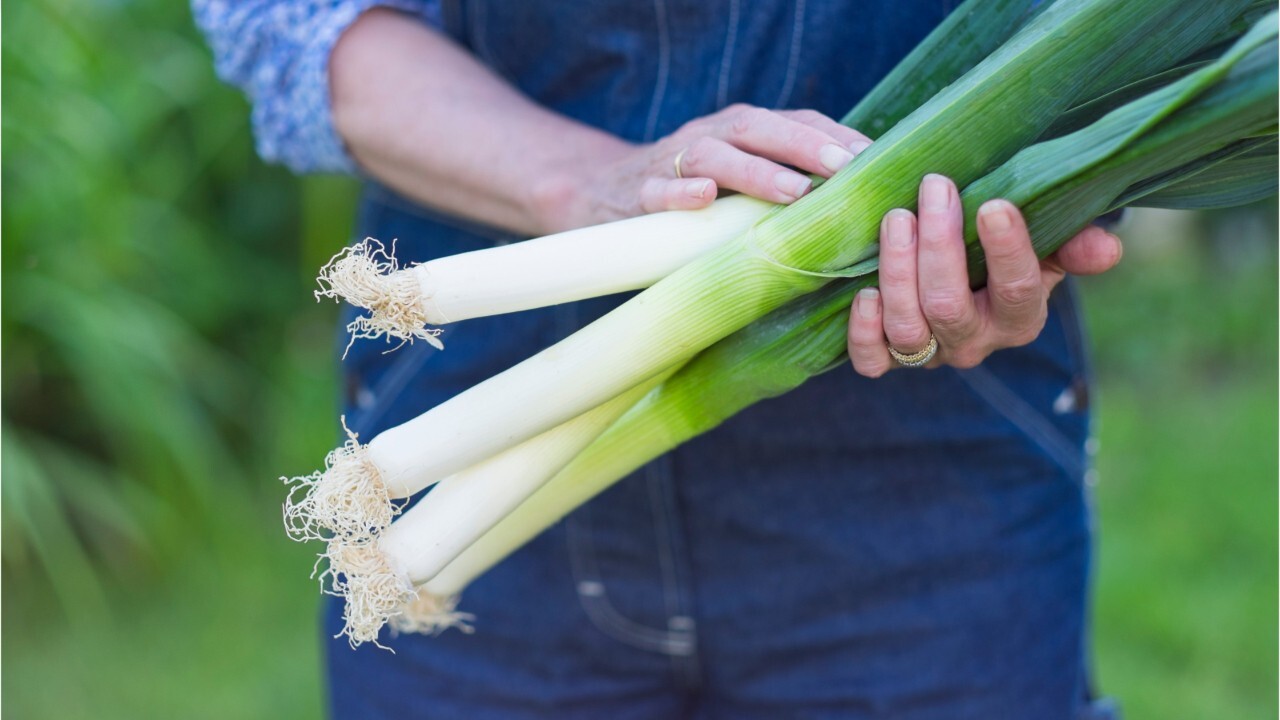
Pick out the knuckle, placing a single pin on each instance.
(898, 265)
(907, 335)
(895, 273)
(697, 154)
(945, 309)
(744, 120)
(799, 142)
(739, 126)
(1019, 292)
(1004, 256)
(933, 230)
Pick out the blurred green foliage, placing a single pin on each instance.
(1185, 335)
(163, 364)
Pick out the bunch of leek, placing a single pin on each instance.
(743, 321)
(1159, 168)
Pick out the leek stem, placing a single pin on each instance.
(806, 337)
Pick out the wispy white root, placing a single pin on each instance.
(367, 276)
(374, 592)
(428, 614)
(346, 501)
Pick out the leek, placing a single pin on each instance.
(1129, 159)
(1073, 50)
(575, 265)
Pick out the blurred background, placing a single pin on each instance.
(164, 363)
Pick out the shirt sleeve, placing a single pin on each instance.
(277, 52)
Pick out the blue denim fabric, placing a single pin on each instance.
(911, 547)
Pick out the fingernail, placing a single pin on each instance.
(834, 157)
(935, 194)
(791, 183)
(698, 189)
(897, 228)
(994, 217)
(867, 303)
(857, 146)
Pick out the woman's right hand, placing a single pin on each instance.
(741, 148)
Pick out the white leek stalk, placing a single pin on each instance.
(589, 262)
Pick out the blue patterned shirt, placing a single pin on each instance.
(277, 52)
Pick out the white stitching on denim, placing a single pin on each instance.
(664, 68)
(596, 603)
(665, 537)
(1064, 301)
(1033, 424)
(612, 623)
(726, 60)
(602, 612)
(679, 605)
(793, 63)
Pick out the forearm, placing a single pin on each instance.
(423, 116)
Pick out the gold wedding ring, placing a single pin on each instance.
(916, 359)
(679, 157)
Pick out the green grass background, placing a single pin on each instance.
(163, 364)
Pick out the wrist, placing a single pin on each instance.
(578, 189)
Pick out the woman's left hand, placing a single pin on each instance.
(924, 283)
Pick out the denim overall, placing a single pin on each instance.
(912, 547)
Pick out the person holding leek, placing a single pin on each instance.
(900, 544)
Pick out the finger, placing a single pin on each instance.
(1015, 289)
(945, 297)
(660, 194)
(783, 140)
(852, 139)
(867, 350)
(735, 169)
(904, 323)
(1090, 252)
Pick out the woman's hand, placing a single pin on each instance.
(741, 148)
(924, 283)
(425, 117)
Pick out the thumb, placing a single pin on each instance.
(1091, 252)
